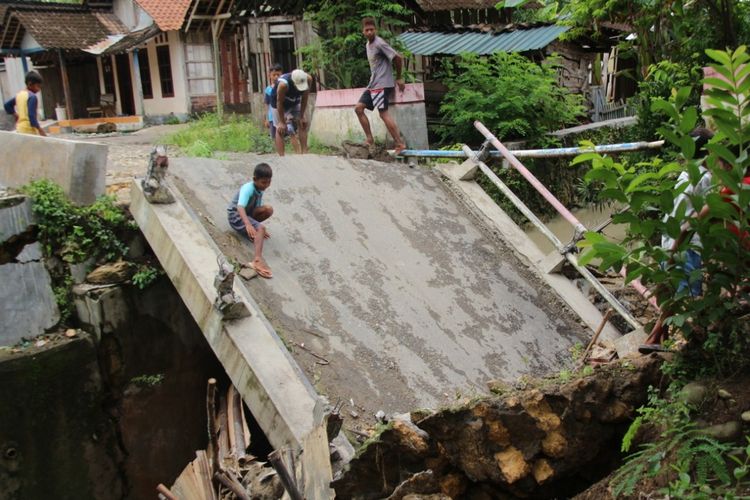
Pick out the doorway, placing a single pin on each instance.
(282, 46)
(125, 83)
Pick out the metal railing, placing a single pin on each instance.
(566, 250)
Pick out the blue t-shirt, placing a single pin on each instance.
(269, 101)
(293, 95)
(250, 198)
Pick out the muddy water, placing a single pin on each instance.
(591, 217)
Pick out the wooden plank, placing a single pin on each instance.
(205, 477)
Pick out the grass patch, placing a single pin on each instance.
(208, 134)
(315, 146)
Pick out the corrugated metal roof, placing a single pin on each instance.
(521, 40)
(438, 5)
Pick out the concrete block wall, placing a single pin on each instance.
(334, 120)
(79, 167)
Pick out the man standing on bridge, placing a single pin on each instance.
(380, 89)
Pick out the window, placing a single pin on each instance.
(165, 71)
(145, 69)
(282, 46)
(199, 64)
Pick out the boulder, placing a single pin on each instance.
(113, 272)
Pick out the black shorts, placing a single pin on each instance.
(377, 98)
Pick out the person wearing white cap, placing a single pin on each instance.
(289, 100)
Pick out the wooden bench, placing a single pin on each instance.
(106, 107)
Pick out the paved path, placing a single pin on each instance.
(128, 154)
(381, 271)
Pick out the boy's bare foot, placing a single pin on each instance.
(398, 148)
(261, 268)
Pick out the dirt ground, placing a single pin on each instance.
(714, 410)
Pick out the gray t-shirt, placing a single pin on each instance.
(380, 55)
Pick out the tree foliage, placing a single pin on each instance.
(676, 30)
(512, 95)
(660, 81)
(339, 51)
(648, 190)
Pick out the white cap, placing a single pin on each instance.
(299, 78)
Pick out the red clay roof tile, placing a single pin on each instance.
(167, 14)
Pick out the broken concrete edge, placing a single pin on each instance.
(15, 216)
(271, 383)
(497, 220)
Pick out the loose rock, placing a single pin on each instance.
(726, 432)
(746, 416)
(724, 394)
(247, 274)
(693, 393)
(114, 272)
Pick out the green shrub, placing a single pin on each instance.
(662, 79)
(716, 340)
(513, 96)
(76, 233)
(692, 464)
(145, 275)
(209, 134)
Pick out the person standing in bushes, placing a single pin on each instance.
(25, 104)
(381, 88)
(690, 260)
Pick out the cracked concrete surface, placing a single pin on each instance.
(380, 270)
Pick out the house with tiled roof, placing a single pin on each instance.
(444, 29)
(149, 58)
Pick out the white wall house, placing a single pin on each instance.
(156, 70)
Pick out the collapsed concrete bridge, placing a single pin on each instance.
(394, 287)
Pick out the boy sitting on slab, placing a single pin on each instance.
(246, 213)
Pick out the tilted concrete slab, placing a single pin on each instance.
(269, 380)
(79, 167)
(382, 271)
(485, 207)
